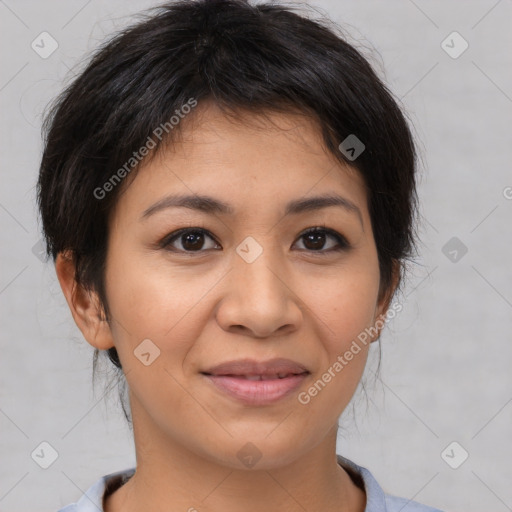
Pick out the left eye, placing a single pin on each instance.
(315, 240)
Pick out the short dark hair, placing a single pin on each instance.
(244, 58)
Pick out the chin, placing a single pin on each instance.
(258, 452)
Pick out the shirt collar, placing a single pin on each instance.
(92, 499)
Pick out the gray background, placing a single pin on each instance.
(446, 357)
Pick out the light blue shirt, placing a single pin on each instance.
(376, 499)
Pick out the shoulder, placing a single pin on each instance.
(92, 499)
(396, 504)
(376, 499)
(69, 508)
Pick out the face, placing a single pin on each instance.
(256, 272)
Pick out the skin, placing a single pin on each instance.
(208, 307)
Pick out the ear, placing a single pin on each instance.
(384, 301)
(84, 304)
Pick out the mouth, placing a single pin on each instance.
(255, 377)
(257, 383)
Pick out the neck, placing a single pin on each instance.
(170, 477)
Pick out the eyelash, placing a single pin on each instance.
(342, 242)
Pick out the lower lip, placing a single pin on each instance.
(257, 392)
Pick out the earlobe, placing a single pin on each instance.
(377, 327)
(84, 304)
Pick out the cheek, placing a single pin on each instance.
(354, 311)
(167, 307)
(155, 302)
(346, 303)
(345, 306)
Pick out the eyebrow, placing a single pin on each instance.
(209, 204)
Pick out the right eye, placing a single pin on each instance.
(188, 240)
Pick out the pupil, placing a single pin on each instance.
(192, 240)
(317, 240)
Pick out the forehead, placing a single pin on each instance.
(250, 158)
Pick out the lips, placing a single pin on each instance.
(257, 383)
(278, 368)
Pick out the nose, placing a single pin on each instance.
(259, 299)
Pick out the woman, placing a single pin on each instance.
(228, 192)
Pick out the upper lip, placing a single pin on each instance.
(252, 368)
